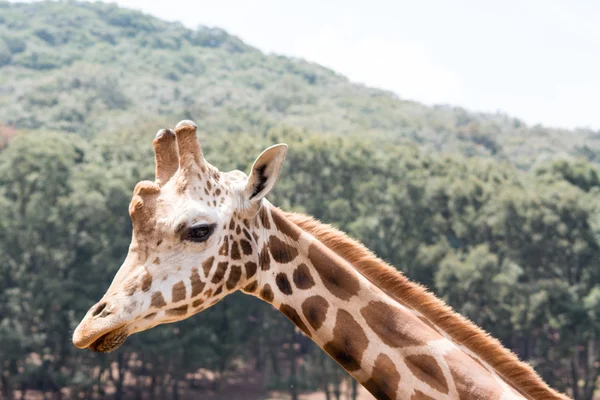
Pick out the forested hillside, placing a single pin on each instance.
(500, 219)
(92, 68)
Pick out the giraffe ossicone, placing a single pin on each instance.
(200, 234)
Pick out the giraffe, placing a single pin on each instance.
(200, 234)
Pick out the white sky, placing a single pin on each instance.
(534, 59)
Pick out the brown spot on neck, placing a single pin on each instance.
(425, 368)
(397, 327)
(235, 251)
(336, 278)
(266, 293)
(349, 342)
(283, 283)
(282, 252)
(302, 277)
(246, 247)
(314, 309)
(250, 269)
(384, 379)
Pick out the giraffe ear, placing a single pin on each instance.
(265, 172)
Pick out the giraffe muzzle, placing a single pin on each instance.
(101, 329)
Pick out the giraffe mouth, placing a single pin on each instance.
(110, 340)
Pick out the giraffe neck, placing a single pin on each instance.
(393, 350)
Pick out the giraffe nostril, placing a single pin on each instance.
(101, 309)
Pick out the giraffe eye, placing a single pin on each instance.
(199, 233)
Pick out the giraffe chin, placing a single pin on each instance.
(110, 341)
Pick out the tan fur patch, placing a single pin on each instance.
(349, 342)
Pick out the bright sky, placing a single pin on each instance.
(538, 60)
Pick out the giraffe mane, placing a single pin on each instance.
(517, 373)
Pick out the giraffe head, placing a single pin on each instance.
(193, 240)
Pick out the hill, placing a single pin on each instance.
(92, 68)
